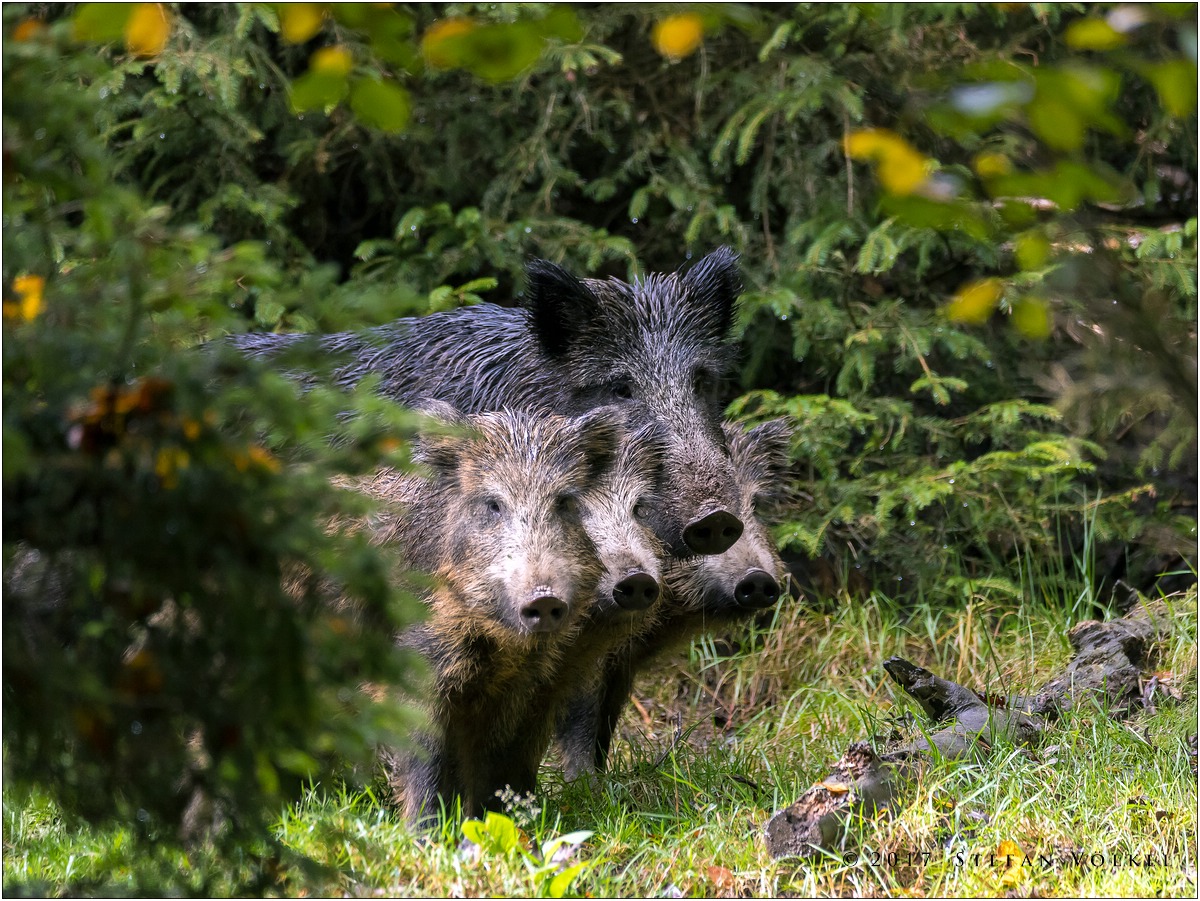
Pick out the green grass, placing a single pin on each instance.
(724, 737)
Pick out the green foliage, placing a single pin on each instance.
(172, 656)
(682, 811)
(498, 835)
(903, 183)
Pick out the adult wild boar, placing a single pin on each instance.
(516, 574)
(657, 346)
(700, 594)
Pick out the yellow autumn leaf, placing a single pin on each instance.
(334, 60)
(435, 37)
(1032, 250)
(903, 171)
(1093, 34)
(678, 36)
(872, 143)
(167, 464)
(147, 29)
(1012, 876)
(975, 301)
(1014, 859)
(28, 303)
(900, 167)
(300, 21)
(1009, 848)
(990, 165)
(1031, 317)
(263, 458)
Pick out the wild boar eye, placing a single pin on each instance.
(641, 510)
(493, 506)
(568, 505)
(622, 390)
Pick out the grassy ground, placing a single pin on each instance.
(722, 736)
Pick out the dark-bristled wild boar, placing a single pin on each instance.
(516, 577)
(612, 511)
(700, 594)
(614, 514)
(658, 347)
(629, 592)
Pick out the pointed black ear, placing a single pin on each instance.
(600, 432)
(560, 306)
(715, 283)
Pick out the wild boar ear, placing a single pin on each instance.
(560, 306)
(600, 432)
(770, 443)
(441, 447)
(715, 283)
(441, 453)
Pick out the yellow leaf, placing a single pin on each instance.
(28, 304)
(335, 60)
(678, 36)
(1032, 250)
(863, 145)
(874, 144)
(903, 170)
(433, 41)
(1093, 34)
(1014, 859)
(989, 165)
(1031, 318)
(147, 29)
(1009, 848)
(168, 462)
(300, 21)
(900, 167)
(974, 302)
(264, 458)
(1012, 876)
